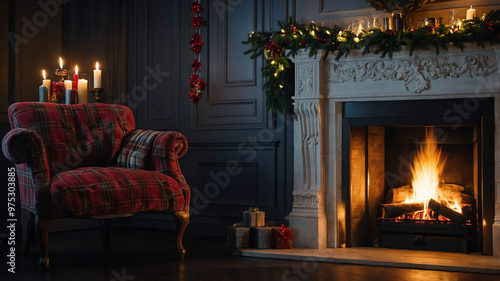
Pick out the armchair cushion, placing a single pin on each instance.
(136, 149)
(97, 191)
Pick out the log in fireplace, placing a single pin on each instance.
(415, 179)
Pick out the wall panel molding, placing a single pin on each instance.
(234, 80)
(154, 70)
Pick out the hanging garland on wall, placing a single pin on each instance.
(277, 47)
(196, 84)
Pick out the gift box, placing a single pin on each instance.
(254, 218)
(238, 237)
(262, 237)
(282, 237)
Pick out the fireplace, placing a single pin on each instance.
(388, 104)
(412, 180)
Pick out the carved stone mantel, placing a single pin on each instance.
(321, 86)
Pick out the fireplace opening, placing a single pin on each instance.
(419, 175)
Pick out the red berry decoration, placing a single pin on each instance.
(196, 85)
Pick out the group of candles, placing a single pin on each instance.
(76, 90)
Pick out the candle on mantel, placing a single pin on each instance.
(83, 91)
(471, 13)
(68, 84)
(75, 79)
(46, 82)
(97, 76)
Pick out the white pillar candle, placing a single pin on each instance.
(471, 13)
(83, 91)
(97, 76)
(46, 83)
(68, 85)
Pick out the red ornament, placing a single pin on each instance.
(269, 45)
(390, 32)
(196, 65)
(193, 79)
(196, 7)
(197, 21)
(196, 43)
(273, 47)
(194, 97)
(491, 26)
(196, 83)
(200, 84)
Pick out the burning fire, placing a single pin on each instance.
(427, 168)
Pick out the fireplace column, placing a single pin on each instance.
(308, 217)
(496, 223)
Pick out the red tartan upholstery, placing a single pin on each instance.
(53, 146)
(98, 191)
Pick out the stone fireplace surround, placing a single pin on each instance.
(321, 86)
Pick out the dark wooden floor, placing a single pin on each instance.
(150, 255)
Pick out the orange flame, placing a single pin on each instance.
(427, 168)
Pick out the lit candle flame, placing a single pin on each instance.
(96, 65)
(76, 69)
(44, 77)
(60, 63)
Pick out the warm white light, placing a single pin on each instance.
(60, 63)
(76, 69)
(96, 65)
(44, 76)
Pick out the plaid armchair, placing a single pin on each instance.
(88, 161)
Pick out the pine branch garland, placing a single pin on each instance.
(278, 47)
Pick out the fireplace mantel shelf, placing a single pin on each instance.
(321, 87)
(424, 75)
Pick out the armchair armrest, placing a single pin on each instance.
(25, 148)
(165, 149)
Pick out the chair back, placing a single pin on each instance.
(75, 135)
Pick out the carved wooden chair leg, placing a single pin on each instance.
(107, 229)
(27, 226)
(183, 221)
(42, 233)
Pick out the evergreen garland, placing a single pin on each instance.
(277, 47)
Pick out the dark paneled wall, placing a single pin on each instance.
(95, 30)
(239, 155)
(236, 158)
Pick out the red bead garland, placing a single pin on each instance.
(196, 84)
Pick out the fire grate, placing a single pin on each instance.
(433, 235)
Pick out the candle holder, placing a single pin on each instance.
(97, 93)
(57, 95)
(61, 72)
